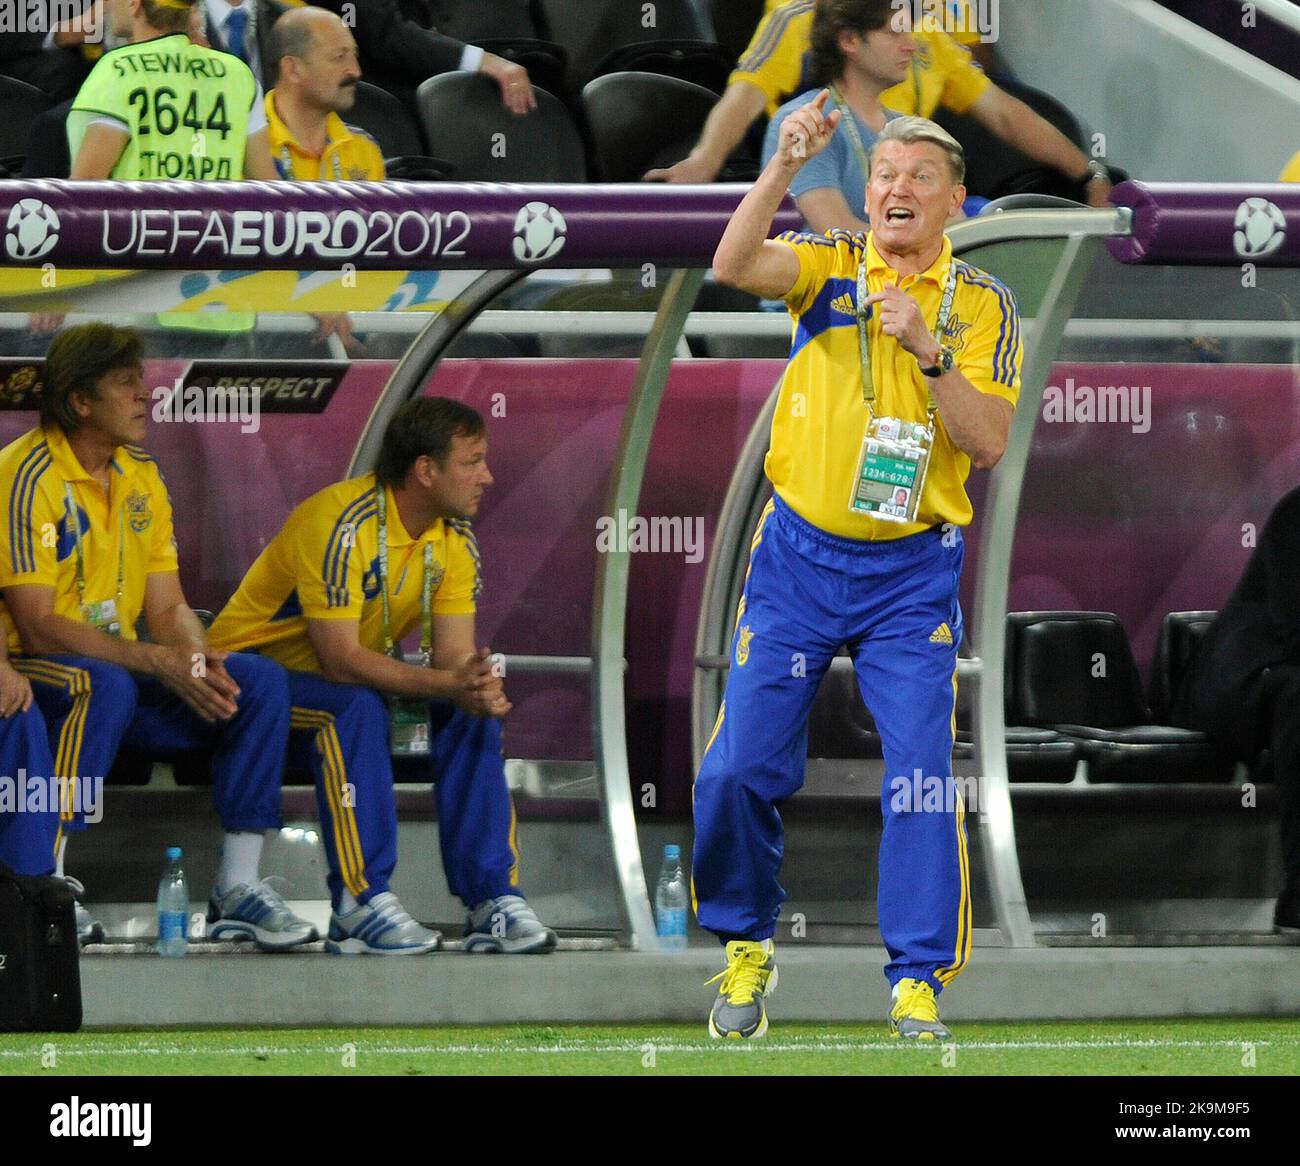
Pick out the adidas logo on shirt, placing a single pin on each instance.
(844, 304)
(941, 635)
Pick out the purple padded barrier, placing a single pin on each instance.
(1210, 223)
(372, 225)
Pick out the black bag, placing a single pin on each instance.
(40, 974)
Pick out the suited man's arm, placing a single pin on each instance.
(403, 46)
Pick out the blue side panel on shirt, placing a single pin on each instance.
(821, 315)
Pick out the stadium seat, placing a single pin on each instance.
(466, 123)
(994, 169)
(734, 22)
(1181, 633)
(547, 63)
(1073, 672)
(698, 62)
(592, 29)
(23, 104)
(642, 120)
(387, 120)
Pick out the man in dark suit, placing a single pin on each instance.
(241, 27)
(400, 48)
(1243, 686)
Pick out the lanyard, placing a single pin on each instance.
(74, 516)
(426, 587)
(941, 325)
(849, 121)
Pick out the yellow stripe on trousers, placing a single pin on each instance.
(67, 755)
(962, 954)
(343, 820)
(514, 843)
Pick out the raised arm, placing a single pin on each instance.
(745, 257)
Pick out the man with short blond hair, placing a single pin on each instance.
(904, 373)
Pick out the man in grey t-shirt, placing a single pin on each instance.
(865, 48)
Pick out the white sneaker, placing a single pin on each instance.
(379, 927)
(258, 913)
(507, 924)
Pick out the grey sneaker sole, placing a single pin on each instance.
(917, 1033)
(717, 1034)
(482, 943)
(265, 940)
(361, 947)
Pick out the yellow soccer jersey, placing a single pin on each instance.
(351, 154)
(821, 419)
(38, 545)
(943, 72)
(324, 564)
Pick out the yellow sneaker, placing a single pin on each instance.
(915, 1013)
(738, 1012)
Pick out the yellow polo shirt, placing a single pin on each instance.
(324, 564)
(942, 73)
(37, 544)
(821, 419)
(351, 154)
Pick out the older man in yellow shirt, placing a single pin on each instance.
(316, 58)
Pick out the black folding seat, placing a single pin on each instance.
(465, 123)
(642, 120)
(1073, 672)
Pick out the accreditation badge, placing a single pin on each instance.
(408, 728)
(103, 615)
(408, 723)
(892, 468)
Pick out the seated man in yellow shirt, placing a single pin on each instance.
(942, 73)
(316, 57)
(356, 568)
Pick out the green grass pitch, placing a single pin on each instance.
(1246, 1047)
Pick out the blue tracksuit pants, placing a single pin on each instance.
(29, 827)
(340, 731)
(91, 708)
(894, 604)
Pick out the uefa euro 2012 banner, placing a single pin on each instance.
(355, 226)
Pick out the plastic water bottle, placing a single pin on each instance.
(670, 902)
(173, 907)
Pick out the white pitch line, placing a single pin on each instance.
(721, 1048)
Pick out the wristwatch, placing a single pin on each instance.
(943, 366)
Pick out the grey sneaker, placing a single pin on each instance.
(507, 924)
(750, 976)
(89, 929)
(379, 927)
(915, 1013)
(258, 913)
